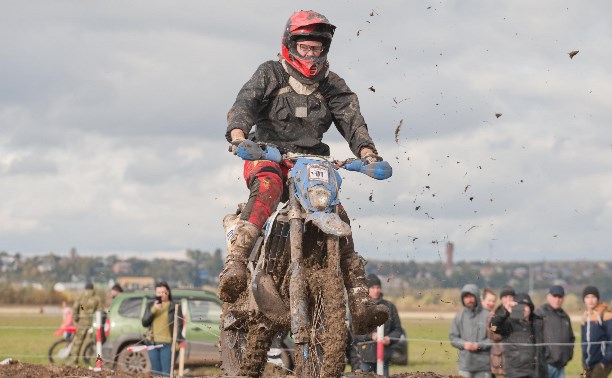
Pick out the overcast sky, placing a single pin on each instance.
(113, 114)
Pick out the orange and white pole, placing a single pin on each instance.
(99, 326)
(380, 350)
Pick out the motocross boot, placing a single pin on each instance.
(366, 315)
(233, 278)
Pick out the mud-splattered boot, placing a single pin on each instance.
(233, 278)
(366, 315)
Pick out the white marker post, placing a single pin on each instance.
(173, 348)
(99, 326)
(380, 350)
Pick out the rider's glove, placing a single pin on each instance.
(234, 145)
(249, 150)
(371, 157)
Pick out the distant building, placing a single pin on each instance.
(136, 283)
(122, 267)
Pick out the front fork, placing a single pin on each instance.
(300, 319)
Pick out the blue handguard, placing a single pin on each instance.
(380, 170)
(249, 150)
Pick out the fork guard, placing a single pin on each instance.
(330, 223)
(268, 300)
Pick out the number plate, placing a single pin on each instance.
(318, 173)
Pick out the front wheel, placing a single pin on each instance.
(60, 351)
(89, 353)
(323, 355)
(133, 362)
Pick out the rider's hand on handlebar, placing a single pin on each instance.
(370, 157)
(235, 143)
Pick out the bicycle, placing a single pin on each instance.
(59, 352)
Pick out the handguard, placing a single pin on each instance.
(380, 170)
(249, 150)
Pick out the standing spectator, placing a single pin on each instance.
(596, 330)
(366, 344)
(488, 299)
(522, 332)
(351, 353)
(115, 290)
(557, 330)
(468, 333)
(506, 296)
(82, 312)
(159, 318)
(67, 320)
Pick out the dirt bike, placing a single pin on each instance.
(295, 282)
(59, 352)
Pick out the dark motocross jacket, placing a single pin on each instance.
(297, 121)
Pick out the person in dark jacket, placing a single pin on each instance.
(557, 331)
(366, 344)
(506, 295)
(522, 331)
(292, 102)
(468, 333)
(596, 330)
(159, 318)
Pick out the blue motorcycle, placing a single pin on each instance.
(295, 279)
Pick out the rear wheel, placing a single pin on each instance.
(133, 362)
(59, 352)
(323, 355)
(243, 353)
(233, 350)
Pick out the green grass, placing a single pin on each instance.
(30, 339)
(440, 357)
(429, 349)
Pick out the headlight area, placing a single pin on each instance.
(319, 197)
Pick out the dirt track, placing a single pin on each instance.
(23, 370)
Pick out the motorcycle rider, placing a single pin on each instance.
(292, 102)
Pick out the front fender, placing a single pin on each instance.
(330, 223)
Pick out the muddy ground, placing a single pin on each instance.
(23, 370)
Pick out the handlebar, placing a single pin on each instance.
(249, 150)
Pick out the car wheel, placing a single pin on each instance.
(133, 362)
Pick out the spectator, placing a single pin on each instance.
(468, 333)
(82, 312)
(366, 344)
(557, 330)
(596, 330)
(115, 290)
(351, 353)
(67, 320)
(159, 318)
(488, 299)
(522, 331)
(497, 349)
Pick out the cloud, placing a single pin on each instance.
(113, 115)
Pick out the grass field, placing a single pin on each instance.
(28, 337)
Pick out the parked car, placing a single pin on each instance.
(123, 348)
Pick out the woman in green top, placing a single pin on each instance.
(159, 317)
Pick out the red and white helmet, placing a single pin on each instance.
(309, 25)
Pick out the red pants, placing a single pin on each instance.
(265, 180)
